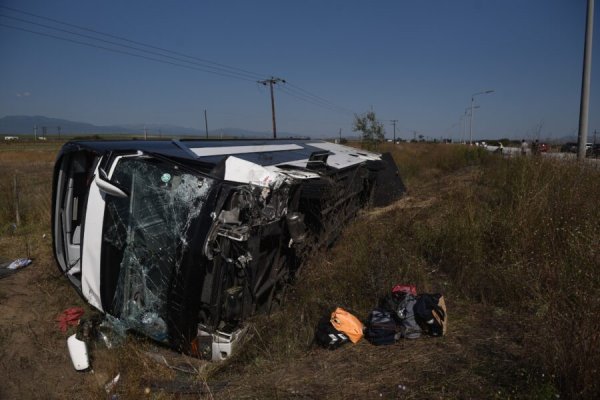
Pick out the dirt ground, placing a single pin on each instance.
(34, 361)
(33, 351)
(34, 355)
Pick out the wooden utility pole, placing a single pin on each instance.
(271, 81)
(394, 124)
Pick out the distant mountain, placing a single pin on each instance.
(24, 125)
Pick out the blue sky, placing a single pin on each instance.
(414, 61)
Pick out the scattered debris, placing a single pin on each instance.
(111, 332)
(112, 383)
(78, 352)
(19, 263)
(327, 336)
(344, 321)
(176, 362)
(401, 314)
(182, 387)
(381, 328)
(9, 268)
(69, 317)
(400, 289)
(430, 310)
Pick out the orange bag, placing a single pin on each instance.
(345, 322)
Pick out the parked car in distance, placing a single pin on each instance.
(495, 146)
(571, 147)
(594, 151)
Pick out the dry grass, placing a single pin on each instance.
(31, 169)
(478, 360)
(511, 244)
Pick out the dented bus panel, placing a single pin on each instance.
(183, 240)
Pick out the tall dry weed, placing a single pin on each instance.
(419, 161)
(26, 185)
(371, 255)
(28, 234)
(523, 237)
(527, 237)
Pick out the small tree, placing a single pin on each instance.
(372, 130)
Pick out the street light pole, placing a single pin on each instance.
(471, 122)
(464, 132)
(464, 127)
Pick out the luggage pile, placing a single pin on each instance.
(401, 314)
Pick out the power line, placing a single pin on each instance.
(240, 70)
(318, 98)
(309, 100)
(123, 45)
(295, 91)
(209, 68)
(199, 65)
(122, 52)
(304, 98)
(328, 105)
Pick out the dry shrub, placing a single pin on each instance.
(419, 161)
(522, 237)
(371, 255)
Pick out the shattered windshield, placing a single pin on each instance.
(144, 238)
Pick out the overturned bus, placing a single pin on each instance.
(183, 240)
